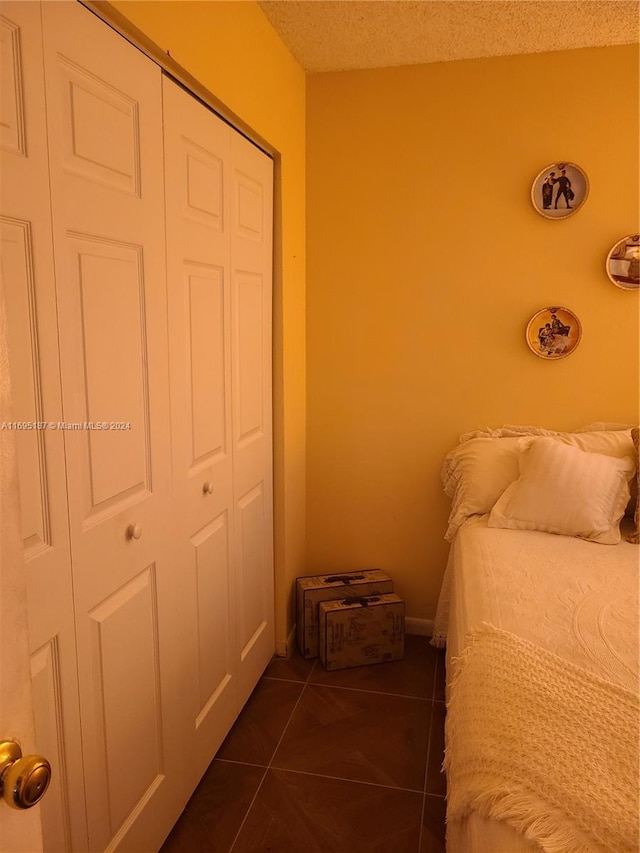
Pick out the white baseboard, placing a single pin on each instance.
(285, 649)
(421, 627)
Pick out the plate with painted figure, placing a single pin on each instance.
(559, 190)
(553, 333)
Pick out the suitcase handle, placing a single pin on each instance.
(346, 579)
(363, 602)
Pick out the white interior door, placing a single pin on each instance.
(197, 151)
(105, 141)
(251, 231)
(27, 272)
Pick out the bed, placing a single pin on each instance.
(539, 609)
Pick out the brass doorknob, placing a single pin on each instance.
(23, 778)
(134, 531)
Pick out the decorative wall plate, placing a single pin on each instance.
(623, 263)
(560, 190)
(553, 333)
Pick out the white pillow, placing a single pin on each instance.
(476, 473)
(611, 442)
(565, 490)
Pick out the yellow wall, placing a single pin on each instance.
(231, 49)
(425, 261)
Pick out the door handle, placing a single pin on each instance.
(134, 531)
(23, 778)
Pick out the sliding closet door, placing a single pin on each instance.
(28, 281)
(197, 149)
(105, 140)
(251, 232)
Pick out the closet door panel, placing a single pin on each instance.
(108, 289)
(254, 610)
(88, 104)
(105, 141)
(251, 283)
(211, 546)
(197, 198)
(206, 339)
(12, 107)
(126, 693)
(29, 286)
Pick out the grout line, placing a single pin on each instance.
(426, 767)
(245, 763)
(435, 680)
(246, 814)
(284, 731)
(375, 692)
(424, 799)
(266, 770)
(355, 781)
(288, 680)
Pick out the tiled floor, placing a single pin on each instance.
(345, 762)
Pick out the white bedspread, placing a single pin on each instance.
(576, 599)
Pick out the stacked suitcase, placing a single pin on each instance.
(349, 619)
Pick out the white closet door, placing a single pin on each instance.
(197, 150)
(219, 242)
(105, 140)
(251, 229)
(27, 273)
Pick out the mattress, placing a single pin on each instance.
(576, 599)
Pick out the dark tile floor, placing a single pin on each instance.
(344, 761)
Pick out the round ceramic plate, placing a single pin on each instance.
(560, 190)
(623, 263)
(553, 333)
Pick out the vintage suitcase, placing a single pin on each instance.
(310, 591)
(359, 631)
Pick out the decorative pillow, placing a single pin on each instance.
(635, 536)
(611, 442)
(562, 489)
(476, 473)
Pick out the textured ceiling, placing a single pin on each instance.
(346, 34)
